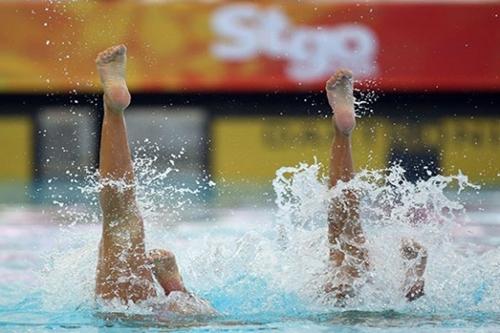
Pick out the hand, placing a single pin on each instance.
(416, 291)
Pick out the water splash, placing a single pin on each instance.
(366, 97)
(286, 258)
(391, 209)
(162, 203)
(260, 262)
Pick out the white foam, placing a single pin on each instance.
(253, 260)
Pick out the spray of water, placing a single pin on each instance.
(391, 209)
(261, 262)
(161, 203)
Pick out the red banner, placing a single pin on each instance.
(252, 46)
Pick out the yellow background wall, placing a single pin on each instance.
(16, 148)
(252, 148)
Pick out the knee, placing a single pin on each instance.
(161, 254)
(161, 258)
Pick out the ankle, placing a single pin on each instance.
(111, 108)
(341, 135)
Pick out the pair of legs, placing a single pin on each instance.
(348, 254)
(124, 271)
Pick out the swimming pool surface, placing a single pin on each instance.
(46, 280)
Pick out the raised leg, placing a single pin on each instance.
(348, 256)
(122, 271)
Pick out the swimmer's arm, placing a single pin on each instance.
(415, 256)
(411, 250)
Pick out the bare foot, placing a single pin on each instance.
(166, 271)
(340, 96)
(111, 65)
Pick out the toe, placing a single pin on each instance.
(110, 54)
(121, 49)
(100, 58)
(340, 75)
(330, 84)
(343, 74)
(158, 254)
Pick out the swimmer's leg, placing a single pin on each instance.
(166, 270)
(122, 272)
(415, 260)
(347, 253)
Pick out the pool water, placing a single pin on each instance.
(37, 298)
(262, 267)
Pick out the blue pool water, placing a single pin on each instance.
(261, 267)
(34, 298)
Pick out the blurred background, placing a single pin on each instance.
(230, 91)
